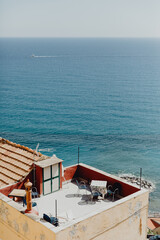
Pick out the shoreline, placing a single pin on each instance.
(139, 182)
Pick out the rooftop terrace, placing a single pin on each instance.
(80, 216)
(72, 206)
(75, 205)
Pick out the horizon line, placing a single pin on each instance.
(83, 37)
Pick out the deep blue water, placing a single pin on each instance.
(100, 94)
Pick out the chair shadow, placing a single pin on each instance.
(73, 195)
(86, 199)
(83, 202)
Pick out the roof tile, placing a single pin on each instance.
(16, 161)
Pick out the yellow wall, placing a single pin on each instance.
(125, 221)
(16, 226)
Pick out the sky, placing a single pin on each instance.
(80, 18)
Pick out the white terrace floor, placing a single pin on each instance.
(71, 206)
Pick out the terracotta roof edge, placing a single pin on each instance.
(19, 146)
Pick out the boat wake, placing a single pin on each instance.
(36, 56)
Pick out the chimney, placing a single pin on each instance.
(28, 186)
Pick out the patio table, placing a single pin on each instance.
(18, 193)
(100, 186)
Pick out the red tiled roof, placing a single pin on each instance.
(16, 162)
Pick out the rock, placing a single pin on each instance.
(136, 180)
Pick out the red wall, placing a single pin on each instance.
(69, 173)
(19, 185)
(39, 180)
(90, 174)
(8, 189)
(61, 175)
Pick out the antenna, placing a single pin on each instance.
(34, 168)
(56, 208)
(56, 223)
(140, 178)
(37, 149)
(78, 155)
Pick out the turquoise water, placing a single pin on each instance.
(102, 95)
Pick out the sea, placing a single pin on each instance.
(99, 94)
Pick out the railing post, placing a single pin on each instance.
(140, 178)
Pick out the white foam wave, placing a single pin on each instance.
(131, 176)
(126, 175)
(44, 56)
